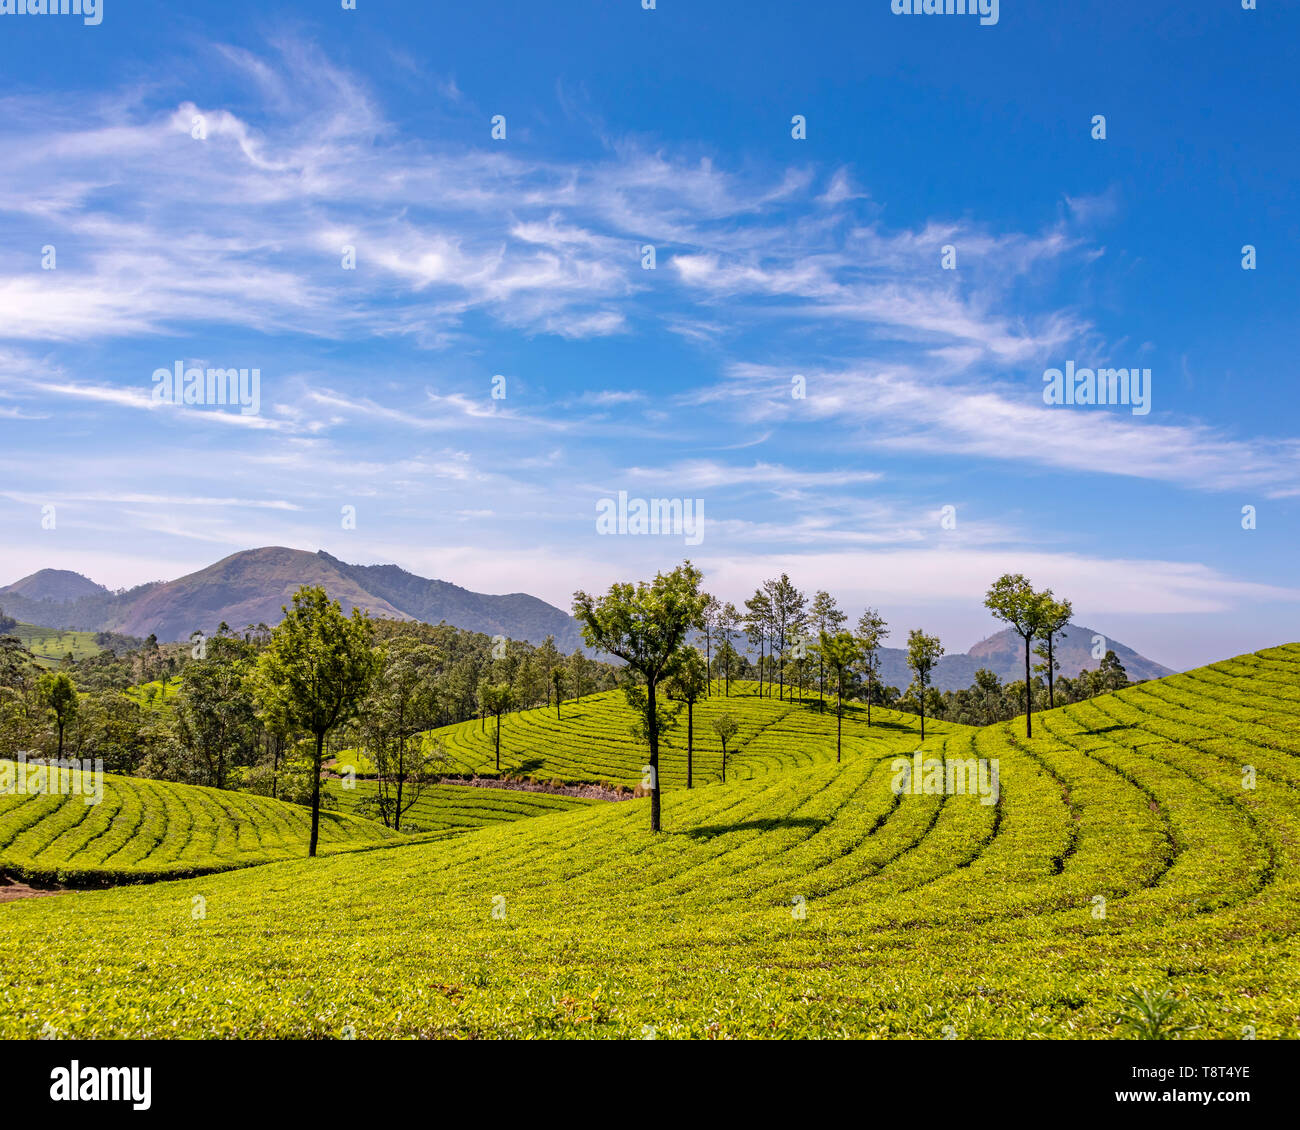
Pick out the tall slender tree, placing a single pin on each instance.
(709, 621)
(872, 632)
(497, 698)
(923, 652)
(840, 652)
(758, 619)
(1056, 615)
(1012, 599)
(827, 619)
(688, 680)
(729, 622)
(787, 606)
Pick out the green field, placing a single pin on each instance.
(51, 645)
(155, 829)
(922, 915)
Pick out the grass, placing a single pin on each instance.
(806, 899)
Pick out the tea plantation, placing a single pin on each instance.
(1149, 838)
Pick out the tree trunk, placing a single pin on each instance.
(839, 721)
(653, 730)
(724, 761)
(1051, 679)
(1029, 694)
(923, 712)
(868, 698)
(315, 797)
(60, 741)
(690, 737)
(498, 741)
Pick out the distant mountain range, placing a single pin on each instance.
(251, 587)
(1004, 655)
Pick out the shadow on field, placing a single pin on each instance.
(1108, 729)
(771, 824)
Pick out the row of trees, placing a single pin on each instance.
(223, 723)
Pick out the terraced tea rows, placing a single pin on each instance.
(460, 808)
(154, 829)
(591, 741)
(1125, 848)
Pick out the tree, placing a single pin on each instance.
(645, 625)
(872, 630)
(316, 669)
(402, 704)
(1056, 615)
(1012, 600)
(729, 622)
(787, 605)
(688, 680)
(758, 619)
(216, 717)
(840, 652)
(724, 725)
(496, 698)
(548, 659)
(923, 652)
(709, 620)
(58, 692)
(826, 619)
(1111, 675)
(557, 680)
(578, 663)
(7, 623)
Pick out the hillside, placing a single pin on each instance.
(592, 742)
(150, 829)
(250, 587)
(517, 616)
(811, 901)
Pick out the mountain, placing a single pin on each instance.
(1004, 655)
(53, 584)
(515, 615)
(250, 587)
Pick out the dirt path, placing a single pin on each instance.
(12, 891)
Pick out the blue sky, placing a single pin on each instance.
(775, 258)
